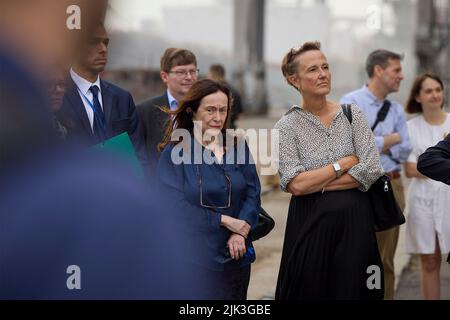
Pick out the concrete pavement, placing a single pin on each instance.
(409, 284)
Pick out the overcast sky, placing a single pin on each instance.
(127, 14)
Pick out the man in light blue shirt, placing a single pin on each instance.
(391, 136)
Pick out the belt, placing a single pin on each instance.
(393, 175)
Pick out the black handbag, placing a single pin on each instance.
(264, 226)
(386, 212)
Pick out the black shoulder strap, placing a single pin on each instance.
(381, 115)
(347, 110)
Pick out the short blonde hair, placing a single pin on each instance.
(290, 63)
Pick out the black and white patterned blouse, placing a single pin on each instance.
(306, 144)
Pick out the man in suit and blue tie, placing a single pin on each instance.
(95, 110)
(178, 72)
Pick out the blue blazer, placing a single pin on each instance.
(120, 115)
(201, 206)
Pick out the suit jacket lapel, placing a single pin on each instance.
(166, 100)
(78, 105)
(164, 117)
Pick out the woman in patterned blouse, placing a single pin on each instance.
(327, 164)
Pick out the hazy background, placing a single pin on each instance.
(348, 30)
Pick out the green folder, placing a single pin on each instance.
(121, 148)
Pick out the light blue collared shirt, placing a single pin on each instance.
(395, 122)
(173, 103)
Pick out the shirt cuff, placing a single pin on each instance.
(396, 153)
(285, 178)
(358, 173)
(215, 219)
(379, 141)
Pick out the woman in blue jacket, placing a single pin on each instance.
(211, 177)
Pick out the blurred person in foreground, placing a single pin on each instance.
(217, 73)
(427, 201)
(59, 209)
(210, 176)
(327, 164)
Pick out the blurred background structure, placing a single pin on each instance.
(432, 38)
(250, 38)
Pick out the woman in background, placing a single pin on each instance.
(427, 201)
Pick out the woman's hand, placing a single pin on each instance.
(236, 246)
(411, 170)
(348, 162)
(238, 226)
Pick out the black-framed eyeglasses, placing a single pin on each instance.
(185, 73)
(200, 182)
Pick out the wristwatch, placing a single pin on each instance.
(337, 169)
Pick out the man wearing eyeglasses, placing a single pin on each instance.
(178, 72)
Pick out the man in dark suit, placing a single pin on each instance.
(94, 110)
(178, 72)
(435, 163)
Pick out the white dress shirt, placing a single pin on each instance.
(84, 86)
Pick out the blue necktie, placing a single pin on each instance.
(174, 105)
(99, 117)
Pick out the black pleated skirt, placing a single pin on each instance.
(330, 249)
